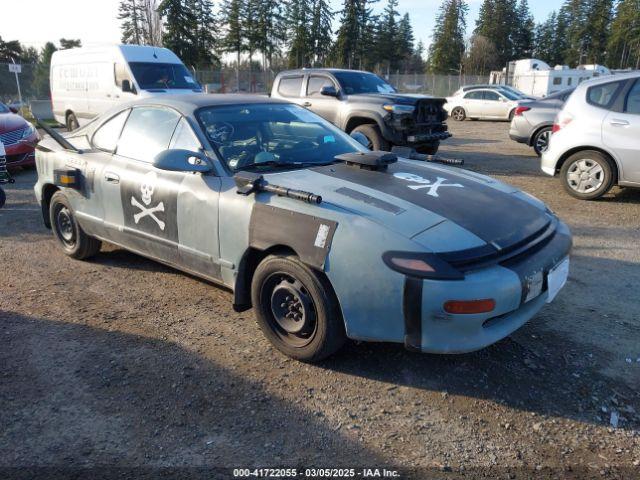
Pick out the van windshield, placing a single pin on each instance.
(162, 76)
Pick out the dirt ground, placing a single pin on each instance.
(122, 367)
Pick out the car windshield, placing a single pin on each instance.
(4, 108)
(266, 137)
(510, 95)
(362, 82)
(162, 75)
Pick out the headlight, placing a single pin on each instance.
(28, 131)
(421, 265)
(394, 108)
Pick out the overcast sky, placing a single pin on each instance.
(35, 22)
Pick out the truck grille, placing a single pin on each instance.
(428, 112)
(11, 138)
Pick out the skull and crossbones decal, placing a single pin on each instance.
(147, 187)
(425, 183)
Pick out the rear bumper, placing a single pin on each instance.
(518, 138)
(428, 328)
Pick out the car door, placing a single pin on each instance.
(151, 210)
(621, 131)
(290, 88)
(472, 103)
(325, 106)
(494, 105)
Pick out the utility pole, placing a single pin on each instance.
(17, 68)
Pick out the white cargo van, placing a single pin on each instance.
(87, 81)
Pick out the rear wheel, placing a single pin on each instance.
(458, 114)
(541, 141)
(512, 114)
(296, 309)
(587, 175)
(373, 134)
(74, 241)
(72, 122)
(3, 197)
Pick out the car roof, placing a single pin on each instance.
(609, 79)
(321, 70)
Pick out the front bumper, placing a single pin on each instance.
(21, 154)
(428, 328)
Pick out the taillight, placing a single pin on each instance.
(469, 307)
(520, 110)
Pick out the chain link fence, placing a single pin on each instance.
(34, 82)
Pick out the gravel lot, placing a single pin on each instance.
(124, 363)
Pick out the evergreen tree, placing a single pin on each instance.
(599, 14)
(574, 14)
(180, 23)
(405, 42)
(386, 37)
(523, 33)
(67, 43)
(41, 76)
(270, 28)
(545, 36)
(234, 40)
(623, 48)
(320, 31)
(498, 23)
(205, 32)
(131, 26)
(447, 47)
(299, 21)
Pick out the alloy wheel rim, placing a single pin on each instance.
(585, 176)
(543, 141)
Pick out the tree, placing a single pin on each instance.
(131, 23)
(67, 43)
(599, 14)
(549, 41)
(180, 23)
(447, 48)
(298, 20)
(320, 38)
(498, 23)
(270, 29)
(481, 56)
(234, 40)
(623, 46)
(205, 32)
(386, 37)
(523, 34)
(41, 77)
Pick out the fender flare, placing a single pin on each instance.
(375, 117)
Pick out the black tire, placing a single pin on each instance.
(72, 122)
(430, 149)
(74, 241)
(373, 134)
(458, 114)
(512, 114)
(296, 309)
(3, 197)
(540, 141)
(587, 175)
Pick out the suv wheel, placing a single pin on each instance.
(373, 134)
(458, 114)
(541, 140)
(72, 122)
(296, 309)
(430, 149)
(587, 175)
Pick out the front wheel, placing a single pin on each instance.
(458, 114)
(374, 136)
(296, 309)
(587, 175)
(430, 149)
(74, 241)
(72, 122)
(541, 141)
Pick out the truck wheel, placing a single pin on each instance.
(430, 149)
(587, 175)
(373, 134)
(75, 242)
(3, 197)
(296, 309)
(72, 122)
(458, 114)
(541, 140)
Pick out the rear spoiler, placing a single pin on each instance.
(60, 140)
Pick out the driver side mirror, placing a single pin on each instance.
(13, 109)
(329, 91)
(361, 138)
(178, 160)
(126, 86)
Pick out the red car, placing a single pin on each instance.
(18, 136)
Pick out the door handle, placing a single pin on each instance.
(306, 104)
(112, 177)
(618, 123)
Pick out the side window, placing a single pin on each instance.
(184, 138)
(557, 81)
(603, 95)
(491, 96)
(290, 86)
(632, 103)
(473, 96)
(106, 137)
(147, 132)
(315, 84)
(120, 72)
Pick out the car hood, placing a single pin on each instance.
(401, 98)
(10, 122)
(416, 198)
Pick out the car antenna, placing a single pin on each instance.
(63, 142)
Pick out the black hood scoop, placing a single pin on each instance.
(368, 160)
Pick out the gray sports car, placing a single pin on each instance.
(325, 239)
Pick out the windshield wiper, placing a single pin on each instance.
(276, 164)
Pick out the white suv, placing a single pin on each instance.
(596, 137)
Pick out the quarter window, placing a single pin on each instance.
(316, 83)
(632, 104)
(147, 132)
(290, 86)
(184, 138)
(106, 137)
(603, 95)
